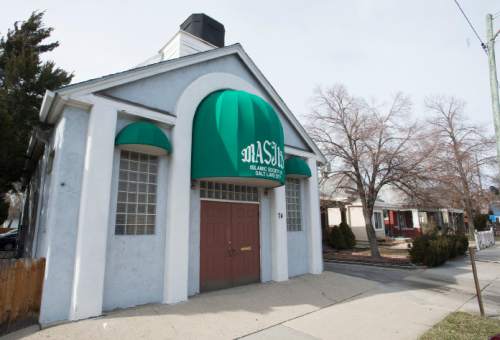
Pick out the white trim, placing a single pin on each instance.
(228, 201)
(93, 218)
(279, 235)
(301, 153)
(57, 105)
(161, 67)
(134, 110)
(146, 71)
(47, 101)
(313, 216)
(176, 263)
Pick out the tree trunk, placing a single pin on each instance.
(468, 203)
(465, 185)
(470, 216)
(370, 232)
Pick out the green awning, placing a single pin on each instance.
(237, 138)
(297, 167)
(144, 137)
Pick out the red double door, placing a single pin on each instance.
(229, 245)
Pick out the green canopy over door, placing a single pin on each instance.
(237, 138)
(297, 167)
(144, 137)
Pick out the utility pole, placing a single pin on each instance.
(490, 49)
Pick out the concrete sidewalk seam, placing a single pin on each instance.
(474, 296)
(302, 315)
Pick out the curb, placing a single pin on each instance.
(383, 265)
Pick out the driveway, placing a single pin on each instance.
(345, 302)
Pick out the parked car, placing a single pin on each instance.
(8, 240)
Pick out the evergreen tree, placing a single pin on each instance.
(24, 77)
(349, 237)
(337, 240)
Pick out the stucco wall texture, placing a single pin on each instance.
(163, 90)
(58, 238)
(135, 265)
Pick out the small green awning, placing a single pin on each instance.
(144, 137)
(297, 167)
(237, 138)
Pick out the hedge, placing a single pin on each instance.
(433, 249)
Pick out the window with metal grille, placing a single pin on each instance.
(228, 192)
(136, 203)
(293, 205)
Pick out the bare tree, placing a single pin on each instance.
(367, 146)
(462, 150)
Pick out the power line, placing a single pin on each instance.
(483, 45)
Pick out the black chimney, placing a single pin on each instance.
(206, 28)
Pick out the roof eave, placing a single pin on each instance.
(53, 104)
(47, 101)
(116, 79)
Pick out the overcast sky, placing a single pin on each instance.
(375, 48)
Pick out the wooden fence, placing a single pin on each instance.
(21, 283)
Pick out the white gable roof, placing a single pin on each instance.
(48, 113)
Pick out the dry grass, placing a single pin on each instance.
(463, 326)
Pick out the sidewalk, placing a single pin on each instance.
(402, 306)
(224, 314)
(345, 302)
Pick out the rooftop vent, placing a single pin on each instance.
(204, 27)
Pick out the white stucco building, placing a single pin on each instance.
(185, 174)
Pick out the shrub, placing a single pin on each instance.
(325, 234)
(337, 240)
(462, 244)
(438, 252)
(419, 248)
(452, 246)
(349, 237)
(433, 250)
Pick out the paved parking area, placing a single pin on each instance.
(345, 302)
